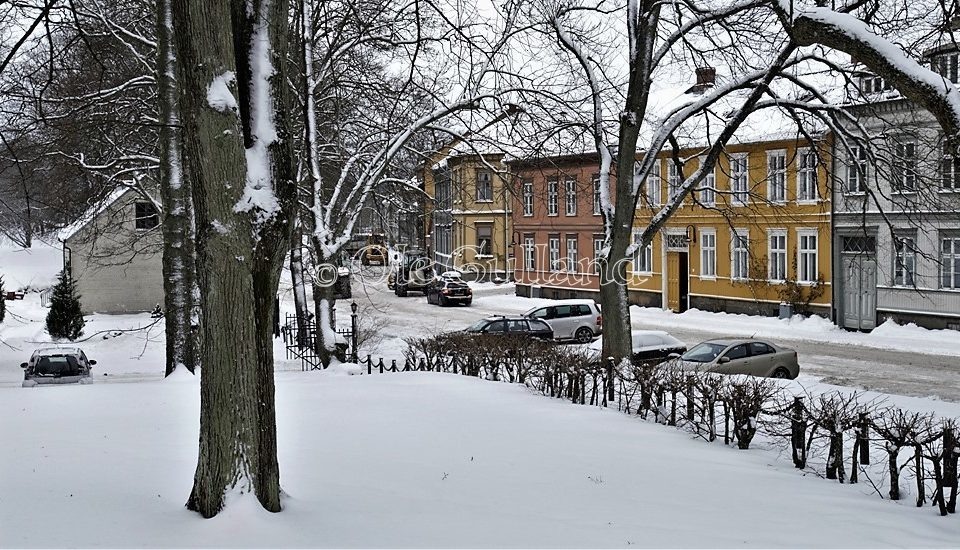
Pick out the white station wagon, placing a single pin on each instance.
(578, 320)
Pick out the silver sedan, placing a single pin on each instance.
(743, 356)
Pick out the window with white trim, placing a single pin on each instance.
(596, 195)
(573, 258)
(674, 178)
(653, 185)
(807, 269)
(740, 255)
(642, 257)
(739, 180)
(905, 263)
(708, 253)
(905, 166)
(570, 197)
(807, 187)
(708, 187)
(949, 171)
(553, 198)
(528, 198)
(777, 255)
(529, 253)
(950, 262)
(947, 67)
(598, 243)
(553, 252)
(857, 170)
(484, 186)
(777, 176)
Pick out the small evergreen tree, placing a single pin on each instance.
(65, 319)
(3, 304)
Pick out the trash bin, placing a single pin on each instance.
(786, 310)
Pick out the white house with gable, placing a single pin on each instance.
(114, 252)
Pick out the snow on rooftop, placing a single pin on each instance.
(93, 212)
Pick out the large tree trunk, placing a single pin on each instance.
(237, 428)
(324, 300)
(178, 249)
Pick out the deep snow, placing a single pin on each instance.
(417, 460)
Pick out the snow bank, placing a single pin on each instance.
(888, 335)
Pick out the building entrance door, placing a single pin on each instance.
(678, 282)
(859, 292)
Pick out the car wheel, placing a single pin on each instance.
(443, 302)
(781, 372)
(583, 335)
(468, 302)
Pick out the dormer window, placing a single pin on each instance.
(946, 65)
(871, 84)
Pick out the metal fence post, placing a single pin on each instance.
(353, 331)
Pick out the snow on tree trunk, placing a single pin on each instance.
(324, 300)
(176, 226)
(243, 235)
(299, 286)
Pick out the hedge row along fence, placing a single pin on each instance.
(897, 451)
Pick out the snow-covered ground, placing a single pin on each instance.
(417, 460)
(435, 460)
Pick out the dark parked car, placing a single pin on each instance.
(519, 326)
(743, 356)
(449, 291)
(57, 366)
(649, 347)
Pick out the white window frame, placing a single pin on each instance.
(740, 178)
(777, 257)
(708, 254)
(858, 171)
(904, 260)
(654, 184)
(597, 248)
(553, 252)
(529, 253)
(573, 253)
(808, 186)
(527, 198)
(777, 176)
(949, 172)
(642, 261)
(905, 166)
(553, 197)
(950, 262)
(674, 177)
(735, 239)
(570, 197)
(808, 259)
(485, 185)
(708, 188)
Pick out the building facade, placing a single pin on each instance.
(468, 220)
(755, 234)
(115, 254)
(557, 226)
(896, 220)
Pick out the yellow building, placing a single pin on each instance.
(468, 219)
(755, 234)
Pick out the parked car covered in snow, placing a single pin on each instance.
(648, 347)
(742, 356)
(57, 365)
(578, 320)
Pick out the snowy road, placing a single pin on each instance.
(882, 370)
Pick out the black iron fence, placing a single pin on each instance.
(301, 342)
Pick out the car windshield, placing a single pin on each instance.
(478, 326)
(704, 353)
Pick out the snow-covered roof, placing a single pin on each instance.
(92, 213)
